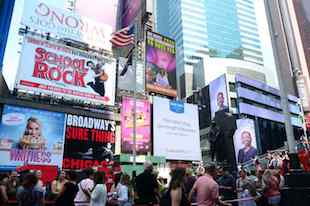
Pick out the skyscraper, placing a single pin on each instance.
(226, 28)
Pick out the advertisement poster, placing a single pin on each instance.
(88, 142)
(31, 137)
(245, 141)
(143, 126)
(160, 65)
(218, 95)
(96, 9)
(126, 76)
(55, 69)
(63, 23)
(176, 130)
(302, 11)
(131, 10)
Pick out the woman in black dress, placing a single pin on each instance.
(69, 190)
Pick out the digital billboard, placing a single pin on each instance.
(126, 76)
(302, 11)
(176, 130)
(52, 68)
(96, 9)
(245, 141)
(88, 142)
(160, 65)
(218, 95)
(130, 11)
(31, 136)
(143, 126)
(63, 23)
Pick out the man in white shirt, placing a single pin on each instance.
(86, 186)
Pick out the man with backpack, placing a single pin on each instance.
(147, 186)
(86, 186)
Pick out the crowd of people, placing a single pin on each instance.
(209, 186)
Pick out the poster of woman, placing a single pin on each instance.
(218, 95)
(31, 136)
(245, 141)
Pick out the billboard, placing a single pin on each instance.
(126, 76)
(55, 69)
(130, 11)
(218, 95)
(40, 15)
(160, 64)
(245, 141)
(31, 136)
(143, 125)
(302, 11)
(96, 9)
(176, 130)
(88, 142)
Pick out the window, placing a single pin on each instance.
(233, 102)
(232, 87)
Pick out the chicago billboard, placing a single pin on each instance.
(143, 126)
(176, 130)
(51, 68)
(31, 136)
(160, 65)
(88, 142)
(40, 15)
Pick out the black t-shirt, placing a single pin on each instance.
(227, 181)
(67, 198)
(146, 184)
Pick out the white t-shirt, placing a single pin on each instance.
(99, 195)
(81, 199)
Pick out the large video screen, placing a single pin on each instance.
(143, 126)
(245, 141)
(176, 130)
(218, 95)
(31, 136)
(160, 64)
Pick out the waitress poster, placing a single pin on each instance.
(143, 129)
(31, 137)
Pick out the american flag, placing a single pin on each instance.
(123, 37)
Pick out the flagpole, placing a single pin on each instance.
(134, 152)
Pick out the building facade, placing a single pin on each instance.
(226, 29)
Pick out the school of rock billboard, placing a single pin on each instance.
(40, 15)
(31, 136)
(143, 126)
(89, 142)
(160, 65)
(51, 68)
